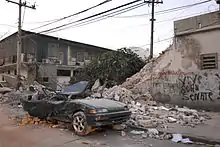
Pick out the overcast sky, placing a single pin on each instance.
(111, 33)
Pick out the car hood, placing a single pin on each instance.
(104, 103)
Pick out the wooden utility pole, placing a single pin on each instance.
(19, 45)
(153, 2)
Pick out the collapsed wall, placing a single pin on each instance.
(175, 77)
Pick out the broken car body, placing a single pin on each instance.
(69, 106)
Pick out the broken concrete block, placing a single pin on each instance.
(117, 97)
(146, 123)
(171, 120)
(153, 131)
(96, 85)
(137, 132)
(144, 135)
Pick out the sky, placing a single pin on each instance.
(114, 32)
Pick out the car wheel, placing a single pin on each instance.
(79, 124)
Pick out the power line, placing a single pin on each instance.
(63, 18)
(167, 10)
(102, 17)
(92, 16)
(158, 41)
(2, 36)
(8, 25)
(131, 8)
(165, 20)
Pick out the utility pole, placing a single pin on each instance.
(153, 2)
(19, 41)
(218, 2)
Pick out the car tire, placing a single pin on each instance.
(79, 124)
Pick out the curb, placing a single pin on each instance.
(192, 138)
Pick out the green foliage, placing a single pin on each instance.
(111, 68)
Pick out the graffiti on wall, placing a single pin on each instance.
(218, 86)
(192, 88)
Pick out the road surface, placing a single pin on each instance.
(12, 135)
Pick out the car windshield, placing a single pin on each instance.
(76, 88)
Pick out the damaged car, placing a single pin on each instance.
(71, 106)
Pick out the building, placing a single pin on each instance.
(188, 72)
(50, 60)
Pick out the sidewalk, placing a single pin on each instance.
(207, 133)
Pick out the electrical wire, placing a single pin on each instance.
(214, 23)
(8, 25)
(2, 36)
(183, 7)
(167, 10)
(165, 20)
(71, 22)
(102, 17)
(166, 39)
(95, 15)
(63, 18)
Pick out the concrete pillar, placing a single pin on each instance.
(71, 74)
(69, 55)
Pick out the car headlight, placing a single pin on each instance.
(103, 110)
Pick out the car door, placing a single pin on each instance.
(58, 105)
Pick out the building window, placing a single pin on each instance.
(45, 79)
(14, 59)
(64, 73)
(9, 72)
(15, 72)
(209, 61)
(80, 56)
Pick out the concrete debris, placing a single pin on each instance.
(171, 120)
(12, 98)
(153, 131)
(137, 132)
(144, 135)
(4, 90)
(150, 114)
(96, 86)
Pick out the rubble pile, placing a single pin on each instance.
(151, 114)
(152, 133)
(159, 116)
(12, 98)
(124, 95)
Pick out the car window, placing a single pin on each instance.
(76, 88)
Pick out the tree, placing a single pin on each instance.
(112, 68)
